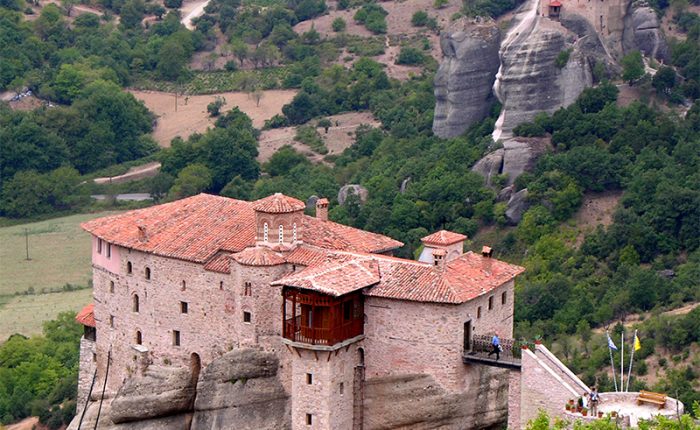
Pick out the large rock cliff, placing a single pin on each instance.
(643, 32)
(463, 81)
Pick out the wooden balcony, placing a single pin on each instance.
(480, 348)
(318, 319)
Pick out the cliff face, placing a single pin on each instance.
(463, 81)
(643, 32)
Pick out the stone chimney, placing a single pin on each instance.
(486, 253)
(439, 258)
(322, 209)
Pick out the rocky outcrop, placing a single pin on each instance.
(240, 387)
(643, 32)
(465, 77)
(516, 207)
(419, 402)
(490, 165)
(518, 155)
(358, 190)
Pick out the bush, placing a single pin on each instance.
(310, 137)
(173, 4)
(338, 24)
(419, 19)
(214, 108)
(563, 58)
(410, 56)
(230, 66)
(439, 4)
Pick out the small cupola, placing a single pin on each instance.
(443, 245)
(278, 220)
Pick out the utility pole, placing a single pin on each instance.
(26, 242)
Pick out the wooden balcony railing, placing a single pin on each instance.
(481, 346)
(295, 331)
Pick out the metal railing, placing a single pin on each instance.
(482, 345)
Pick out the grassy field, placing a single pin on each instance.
(60, 254)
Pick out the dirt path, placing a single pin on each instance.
(338, 138)
(192, 10)
(139, 172)
(191, 115)
(25, 424)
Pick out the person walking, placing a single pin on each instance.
(495, 346)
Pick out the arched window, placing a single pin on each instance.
(139, 339)
(281, 233)
(128, 267)
(111, 286)
(184, 285)
(265, 232)
(136, 303)
(294, 232)
(148, 273)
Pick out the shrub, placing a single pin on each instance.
(173, 4)
(214, 108)
(410, 56)
(310, 137)
(439, 4)
(338, 24)
(419, 19)
(563, 58)
(230, 66)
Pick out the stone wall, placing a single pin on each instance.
(86, 370)
(328, 399)
(514, 399)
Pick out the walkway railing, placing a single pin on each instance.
(482, 345)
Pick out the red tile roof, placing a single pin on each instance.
(197, 228)
(221, 263)
(336, 276)
(258, 256)
(278, 203)
(87, 316)
(305, 255)
(443, 237)
(555, 3)
(322, 201)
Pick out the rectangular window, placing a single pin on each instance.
(176, 337)
(347, 311)
(109, 250)
(309, 378)
(111, 321)
(342, 388)
(183, 307)
(490, 302)
(247, 317)
(309, 419)
(503, 298)
(247, 289)
(99, 246)
(478, 312)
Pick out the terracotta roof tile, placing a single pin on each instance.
(278, 203)
(305, 255)
(221, 263)
(197, 228)
(443, 237)
(258, 256)
(322, 201)
(336, 276)
(87, 316)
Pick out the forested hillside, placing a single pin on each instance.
(577, 284)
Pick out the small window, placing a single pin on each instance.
(490, 302)
(139, 339)
(111, 286)
(265, 232)
(111, 321)
(176, 337)
(247, 316)
(184, 286)
(135, 307)
(183, 307)
(94, 357)
(99, 246)
(347, 311)
(309, 378)
(503, 298)
(247, 289)
(478, 312)
(309, 419)
(342, 388)
(147, 273)
(294, 232)
(281, 234)
(128, 267)
(109, 250)
(221, 285)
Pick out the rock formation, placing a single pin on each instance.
(358, 190)
(643, 32)
(518, 155)
(463, 81)
(516, 207)
(240, 387)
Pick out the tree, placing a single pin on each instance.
(325, 123)
(172, 59)
(68, 5)
(25, 195)
(132, 13)
(410, 56)
(158, 11)
(159, 186)
(284, 160)
(192, 180)
(338, 24)
(419, 19)
(214, 108)
(239, 50)
(664, 80)
(257, 94)
(173, 4)
(632, 66)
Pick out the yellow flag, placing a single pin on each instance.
(637, 344)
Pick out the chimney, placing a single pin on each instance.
(143, 235)
(322, 209)
(439, 258)
(486, 251)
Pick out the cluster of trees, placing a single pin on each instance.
(684, 422)
(39, 375)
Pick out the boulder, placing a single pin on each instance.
(355, 189)
(505, 193)
(465, 77)
(643, 33)
(516, 207)
(490, 165)
(520, 155)
(311, 202)
(160, 392)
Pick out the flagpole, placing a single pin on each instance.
(612, 363)
(629, 374)
(622, 360)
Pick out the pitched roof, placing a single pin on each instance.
(278, 203)
(221, 263)
(197, 228)
(87, 316)
(258, 256)
(443, 237)
(336, 276)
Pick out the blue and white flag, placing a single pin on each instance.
(611, 345)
